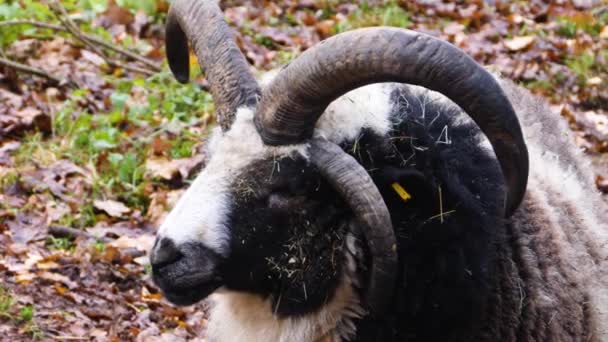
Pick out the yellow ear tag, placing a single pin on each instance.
(405, 196)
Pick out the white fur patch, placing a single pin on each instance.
(201, 213)
(366, 107)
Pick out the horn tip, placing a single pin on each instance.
(182, 78)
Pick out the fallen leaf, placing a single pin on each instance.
(325, 28)
(161, 168)
(6, 150)
(519, 43)
(142, 243)
(602, 184)
(26, 226)
(47, 265)
(112, 208)
(115, 15)
(594, 81)
(26, 277)
(93, 57)
(168, 169)
(26, 266)
(604, 33)
(59, 278)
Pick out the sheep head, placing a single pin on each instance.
(239, 213)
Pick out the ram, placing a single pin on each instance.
(381, 188)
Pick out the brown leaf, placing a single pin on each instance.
(168, 169)
(54, 178)
(142, 243)
(604, 33)
(325, 28)
(6, 150)
(93, 57)
(112, 208)
(115, 15)
(602, 184)
(26, 226)
(594, 81)
(58, 278)
(23, 48)
(25, 266)
(160, 146)
(519, 43)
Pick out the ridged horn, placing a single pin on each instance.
(296, 98)
(202, 23)
(357, 188)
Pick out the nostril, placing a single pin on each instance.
(164, 253)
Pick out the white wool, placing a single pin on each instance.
(366, 107)
(237, 316)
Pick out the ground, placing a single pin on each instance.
(97, 140)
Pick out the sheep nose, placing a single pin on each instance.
(164, 253)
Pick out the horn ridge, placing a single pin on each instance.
(202, 23)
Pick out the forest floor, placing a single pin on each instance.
(98, 141)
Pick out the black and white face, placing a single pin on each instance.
(257, 219)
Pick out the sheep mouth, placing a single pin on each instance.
(187, 289)
(189, 296)
(189, 276)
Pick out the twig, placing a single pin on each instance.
(63, 232)
(63, 17)
(90, 38)
(35, 71)
(33, 23)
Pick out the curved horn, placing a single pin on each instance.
(202, 23)
(291, 105)
(357, 188)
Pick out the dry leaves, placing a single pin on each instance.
(519, 43)
(113, 208)
(169, 169)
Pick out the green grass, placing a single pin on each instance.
(582, 66)
(6, 303)
(63, 244)
(99, 246)
(388, 14)
(590, 23)
(24, 317)
(30, 327)
(542, 86)
(116, 143)
(26, 314)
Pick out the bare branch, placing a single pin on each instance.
(63, 232)
(88, 37)
(35, 71)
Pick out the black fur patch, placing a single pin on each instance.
(288, 227)
(447, 231)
